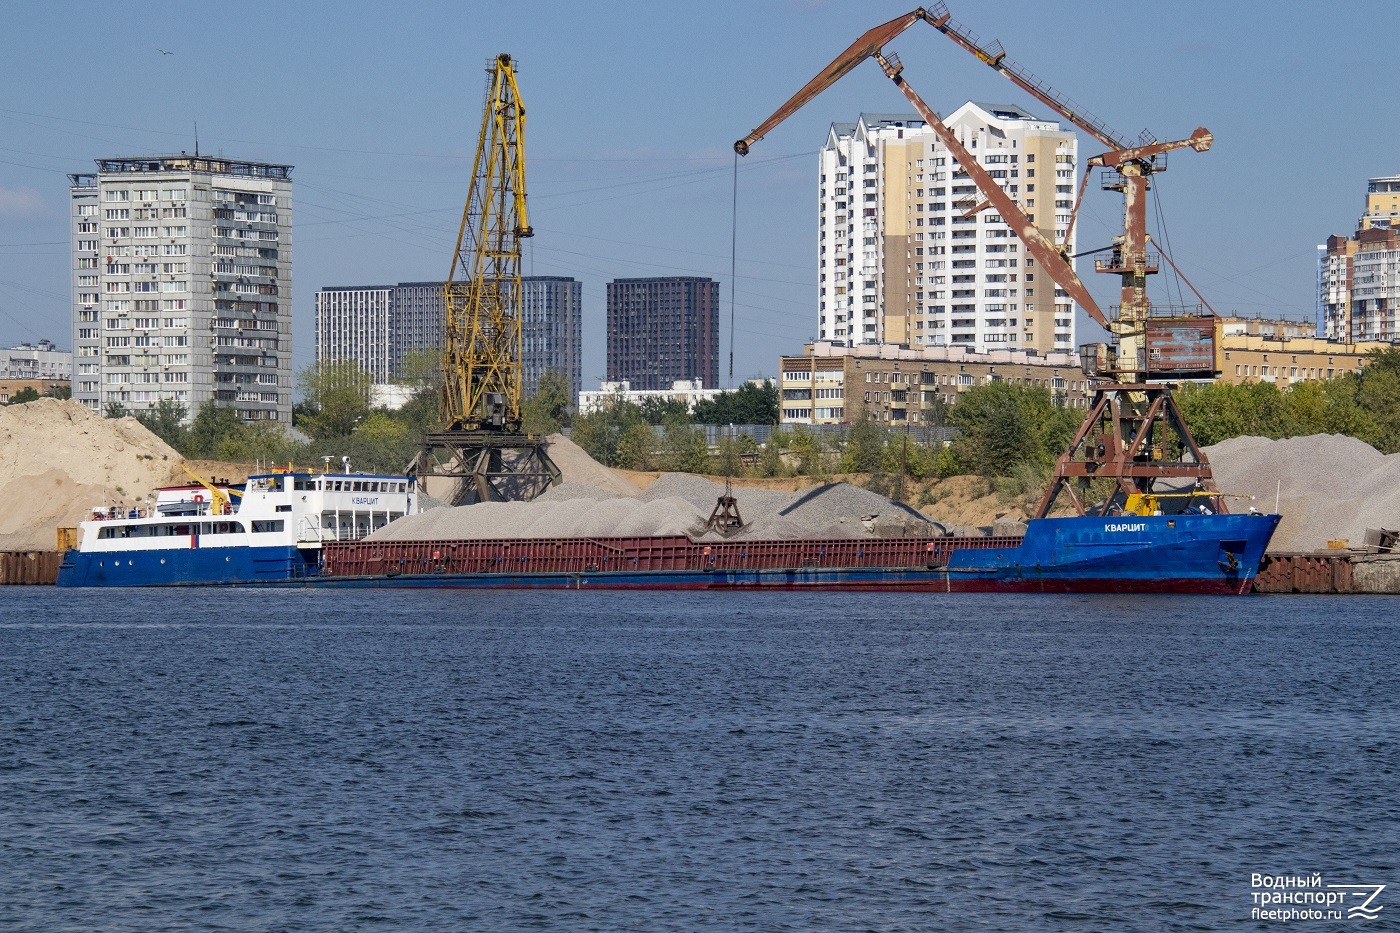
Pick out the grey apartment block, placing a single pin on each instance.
(378, 326)
(352, 323)
(182, 284)
(36, 361)
(418, 310)
(551, 330)
(663, 330)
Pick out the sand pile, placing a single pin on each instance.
(1330, 486)
(57, 460)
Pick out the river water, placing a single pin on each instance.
(241, 760)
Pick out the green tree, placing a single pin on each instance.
(683, 449)
(658, 410)
(27, 394)
(770, 459)
(387, 442)
(751, 403)
(1003, 425)
(62, 390)
(213, 425)
(337, 394)
(865, 448)
(167, 422)
(550, 408)
(600, 432)
(256, 441)
(637, 448)
(115, 410)
(809, 450)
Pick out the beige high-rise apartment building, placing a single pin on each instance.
(1359, 277)
(899, 263)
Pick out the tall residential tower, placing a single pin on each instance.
(662, 331)
(551, 330)
(182, 285)
(898, 262)
(378, 326)
(1359, 278)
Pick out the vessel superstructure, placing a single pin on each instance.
(271, 527)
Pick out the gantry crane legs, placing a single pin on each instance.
(1133, 422)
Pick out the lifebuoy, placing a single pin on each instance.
(199, 497)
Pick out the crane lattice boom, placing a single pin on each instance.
(481, 366)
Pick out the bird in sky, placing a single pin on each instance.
(164, 52)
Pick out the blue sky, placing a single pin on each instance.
(632, 109)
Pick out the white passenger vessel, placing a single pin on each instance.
(268, 529)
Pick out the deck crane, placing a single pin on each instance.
(482, 449)
(1134, 435)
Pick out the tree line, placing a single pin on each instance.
(1008, 433)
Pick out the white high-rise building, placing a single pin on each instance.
(899, 263)
(182, 285)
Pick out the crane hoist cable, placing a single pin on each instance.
(733, 262)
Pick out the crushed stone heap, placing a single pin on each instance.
(1329, 486)
(675, 504)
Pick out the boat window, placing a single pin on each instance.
(267, 525)
(301, 482)
(276, 484)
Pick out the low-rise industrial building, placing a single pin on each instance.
(689, 391)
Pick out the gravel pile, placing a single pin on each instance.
(573, 461)
(675, 504)
(1329, 486)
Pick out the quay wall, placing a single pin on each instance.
(29, 568)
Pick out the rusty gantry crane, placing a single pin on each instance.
(1134, 435)
(482, 451)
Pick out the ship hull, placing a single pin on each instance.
(213, 566)
(1216, 554)
(875, 580)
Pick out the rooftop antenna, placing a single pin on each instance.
(196, 139)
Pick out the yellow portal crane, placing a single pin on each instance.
(481, 368)
(481, 455)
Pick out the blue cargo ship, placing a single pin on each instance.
(305, 528)
(1185, 553)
